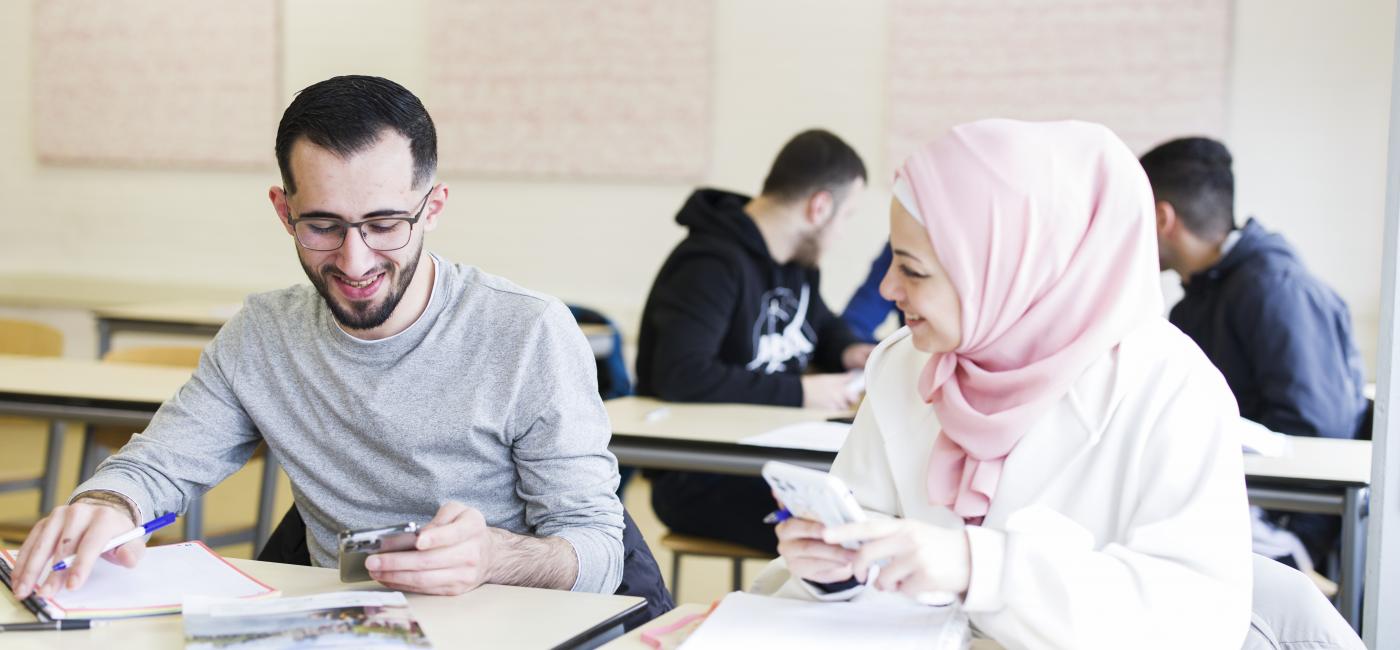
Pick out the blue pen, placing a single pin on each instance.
(777, 516)
(139, 531)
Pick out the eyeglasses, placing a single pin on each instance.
(379, 233)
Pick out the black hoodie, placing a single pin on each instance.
(1280, 336)
(725, 322)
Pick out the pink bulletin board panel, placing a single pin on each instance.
(1151, 70)
(573, 90)
(156, 82)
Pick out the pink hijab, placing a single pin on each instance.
(1047, 231)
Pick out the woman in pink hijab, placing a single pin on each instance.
(1038, 442)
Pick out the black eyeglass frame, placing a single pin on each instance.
(345, 227)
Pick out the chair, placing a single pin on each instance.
(613, 380)
(98, 438)
(1288, 612)
(683, 545)
(32, 339)
(1368, 421)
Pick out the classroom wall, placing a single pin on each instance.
(1308, 119)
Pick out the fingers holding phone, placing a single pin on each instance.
(808, 556)
(451, 555)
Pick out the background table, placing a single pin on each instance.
(1319, 475)
(52, 291)
(205, 317)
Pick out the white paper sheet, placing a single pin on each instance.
(816, 436)
(1256, 439)
(159, 582)
(748, 621)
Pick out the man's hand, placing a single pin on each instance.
(453, 555)
(828, 392)
(457, 552)
(855, 355)
(80, 529)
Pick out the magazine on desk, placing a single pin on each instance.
(344, 619)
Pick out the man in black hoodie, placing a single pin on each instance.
(736, 315)
(1281, 337)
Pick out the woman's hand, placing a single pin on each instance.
(808, 557)
(916, 558)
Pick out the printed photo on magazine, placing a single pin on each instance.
(346, 619)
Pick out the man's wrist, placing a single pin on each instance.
(529, 561)
(110, 499)
(498, 539)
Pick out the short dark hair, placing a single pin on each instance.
(347, 114)
(812, 161)
(1194, 176)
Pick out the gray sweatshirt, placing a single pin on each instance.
(490, 399)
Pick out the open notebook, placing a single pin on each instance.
(157, 585)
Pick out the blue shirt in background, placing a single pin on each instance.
(867, 309)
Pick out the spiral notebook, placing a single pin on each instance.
(156, 585)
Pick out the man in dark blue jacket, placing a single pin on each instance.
(1281, 337)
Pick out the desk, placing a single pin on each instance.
(155, 307)
(183, 317)
(633, 640)
(53, 291)
(492, 616)
(705, 437)
(1328, 476)
(205, 317)
(85, 389)
(95, 392)
(1321, 475)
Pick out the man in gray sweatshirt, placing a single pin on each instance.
(397, 387)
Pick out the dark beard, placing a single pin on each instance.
(809, 250)
(365, 316)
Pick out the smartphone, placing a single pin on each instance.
(357, 545)
(810, 494)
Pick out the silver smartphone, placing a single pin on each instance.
(357, 545)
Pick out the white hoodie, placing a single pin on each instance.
(1120, 519)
